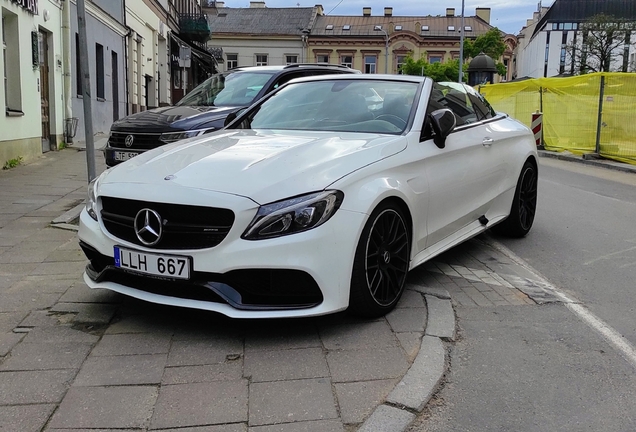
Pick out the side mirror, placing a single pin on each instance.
(443, 122)
(232, 116)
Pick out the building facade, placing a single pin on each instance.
(545, 40)
(32, 68)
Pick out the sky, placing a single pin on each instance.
(508, 15)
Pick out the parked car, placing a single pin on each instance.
(308, 202)
(204, 109)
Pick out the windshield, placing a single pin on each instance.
(233, 88)
(373, 106)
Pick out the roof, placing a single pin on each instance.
(364, 25)
(261, 21)
(582, 10)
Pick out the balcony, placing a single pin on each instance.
(194, 27)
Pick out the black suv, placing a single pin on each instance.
(204, 109)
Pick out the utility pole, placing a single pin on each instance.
(86, 90)
(461, 48)
(386, 47)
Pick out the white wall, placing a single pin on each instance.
(248, 48)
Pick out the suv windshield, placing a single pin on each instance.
(233, 88)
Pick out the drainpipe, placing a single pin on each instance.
(66, 49)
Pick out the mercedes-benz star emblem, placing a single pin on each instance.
(148, 227)
(129, 140)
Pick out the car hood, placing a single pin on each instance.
(262, 165)
(170, 118)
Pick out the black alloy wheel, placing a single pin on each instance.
(381, 263)
(524, 205)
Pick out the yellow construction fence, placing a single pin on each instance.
(570, 109)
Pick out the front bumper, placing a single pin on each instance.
(114, 156)
(303, 274)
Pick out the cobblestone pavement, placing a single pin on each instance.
(72, 358)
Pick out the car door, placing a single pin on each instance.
(463, 175)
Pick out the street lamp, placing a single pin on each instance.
(461, 47)
(386, 47)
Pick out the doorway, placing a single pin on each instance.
(43, 47)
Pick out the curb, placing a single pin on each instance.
(420, 382)
(601, 163)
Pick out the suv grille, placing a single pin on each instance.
(140, 141)
(184, 226)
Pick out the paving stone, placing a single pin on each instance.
(49, 286)
(140, 324)
(105, 408)
(67, 268)
(121, 370)
(235, 427)
(9, 320)
(441, 318)
(375, 333)
(411, 299)
(26, 301)
(34, 387)
(92, 313)
(477, 297)
(287, 401)
(25, 418)
(228, 371)
(367, 364)
(44, 318)
(43, 356)
(8, 341)
(58, 334)
(408, 319)
(308, 426)
(271, 338)
(423, 377)
(357, 400)
(437, 292)
(80, 293)
(387, 419)
(493, 296)
(130, 344)
(463, 299)
(200, 404)
(285, 364)
(202, 352)
(410, 342)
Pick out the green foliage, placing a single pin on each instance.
(62, 145)
(12, 163)
(501, 68)
(448, 71)
(490, 43)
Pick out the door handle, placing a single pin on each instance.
(487, 142)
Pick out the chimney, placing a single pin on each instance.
(388, 11)
(257, 4)
(366, 11)
(484, 14)
(450, 12)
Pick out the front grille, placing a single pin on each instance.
(184, 226)
(145, 141)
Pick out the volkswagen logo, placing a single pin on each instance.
(148, 227)
(129, 140)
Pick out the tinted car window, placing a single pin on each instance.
(482, 107)
(228, 89)
(455, 97)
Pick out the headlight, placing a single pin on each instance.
(91, 201)
(171, 137)
(293, 215)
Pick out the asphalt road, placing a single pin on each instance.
(541, 367)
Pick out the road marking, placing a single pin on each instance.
(613, 337)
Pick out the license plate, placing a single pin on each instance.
(124, 156)
(171, 266)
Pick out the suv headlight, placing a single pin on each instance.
(170, 137)
(91, 200)
(293, 215)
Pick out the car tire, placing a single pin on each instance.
(524, 205)
(381, 263)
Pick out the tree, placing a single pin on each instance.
(436, 71)
(603, 45)
(490, 43)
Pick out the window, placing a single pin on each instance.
(291, 58)
(78, 70)
(468, 28)
(435, 59)
(322, 58)
(398, 27)
(399, 62)
(99, 70)
(329, 27)
(232, 61)
(555, 26)
(11, 70)
(567, 26)
(261, 59)
(451, 28)
(346, 60)
(370, 64)
(424, 28)
(455, 97)
(346, 27)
